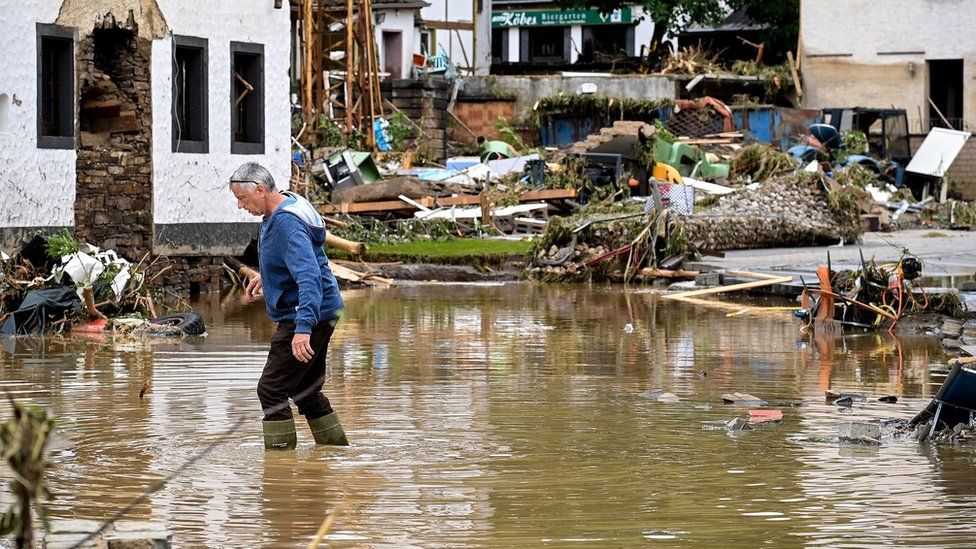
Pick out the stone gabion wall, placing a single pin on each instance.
(113, 201)
(784, 212)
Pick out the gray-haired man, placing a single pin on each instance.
(302, 296)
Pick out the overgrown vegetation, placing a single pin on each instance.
(758, 162)
(614, 108)
(61, 244)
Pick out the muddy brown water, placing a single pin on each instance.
(506, 415)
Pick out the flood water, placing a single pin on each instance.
(506, 416)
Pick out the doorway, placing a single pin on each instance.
(393, 53)
(945, 90)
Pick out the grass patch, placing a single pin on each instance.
(462, 251)
(934, 234)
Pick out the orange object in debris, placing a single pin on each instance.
(666, 173)
(95, 326)
(765, 416)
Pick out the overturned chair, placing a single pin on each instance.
(954, 403)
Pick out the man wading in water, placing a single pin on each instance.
(302, 296)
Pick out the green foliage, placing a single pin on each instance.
(613, 107)
(855, 141)
(323, 132)
(23, 442)
(61, 244)
(663, 133)
(511, 136)
(760, 162)
(400, 131)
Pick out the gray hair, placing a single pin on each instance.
(250, 175)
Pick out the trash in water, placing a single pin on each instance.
(765, 416)
(742, 398)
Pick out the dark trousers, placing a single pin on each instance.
(285, 377)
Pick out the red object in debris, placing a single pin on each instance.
(765, 416)
(93, 327)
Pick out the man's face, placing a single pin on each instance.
(250, 200)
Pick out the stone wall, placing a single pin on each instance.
(528, 90)
(962, 173)
(190, 274)
(425, 103)
(113, 200)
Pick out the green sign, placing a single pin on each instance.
(547, 18)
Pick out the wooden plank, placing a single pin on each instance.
(367, 207)
(794, 74)
(449, 25)
(460, 200)
(750, 274)
(731, 288)
(548, 194)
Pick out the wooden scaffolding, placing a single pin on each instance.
(340, 65)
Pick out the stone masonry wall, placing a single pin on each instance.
(113, 201)
(962, 173)
(425, 103)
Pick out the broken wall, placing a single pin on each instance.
(113, 198)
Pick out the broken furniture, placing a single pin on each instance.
(954, 403)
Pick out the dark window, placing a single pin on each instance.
(547, 43)
(190, 95)
(246, 98)
(499, 44)
(55, 87)
(609, 40)
(945, 89)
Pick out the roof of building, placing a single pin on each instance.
(737, 21)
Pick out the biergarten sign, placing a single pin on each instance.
(547, 18)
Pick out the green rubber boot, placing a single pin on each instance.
(328, 430)
(280, 435)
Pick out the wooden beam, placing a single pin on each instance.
(449, 25)
(382, 206)
(794, 74)
(731, 288)
(460, 200)
(548, 194)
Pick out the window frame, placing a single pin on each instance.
(68, 101)
(181, 144)
(248, 147)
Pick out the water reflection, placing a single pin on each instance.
(505, 416)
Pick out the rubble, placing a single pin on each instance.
(57, 283)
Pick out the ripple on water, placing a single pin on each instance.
(505, 415)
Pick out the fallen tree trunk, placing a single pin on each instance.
(378, 191)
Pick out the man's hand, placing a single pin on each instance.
(255, 288)
(301, 347)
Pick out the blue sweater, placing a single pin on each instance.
(297, 282)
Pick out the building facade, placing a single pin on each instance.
(539, 33)
(897, 53)
(122, 120)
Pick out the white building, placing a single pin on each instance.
(123, 119)
(541, 33)
(897, 53)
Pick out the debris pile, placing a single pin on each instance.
(56, 284)
(787, 210)
(872, 296)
